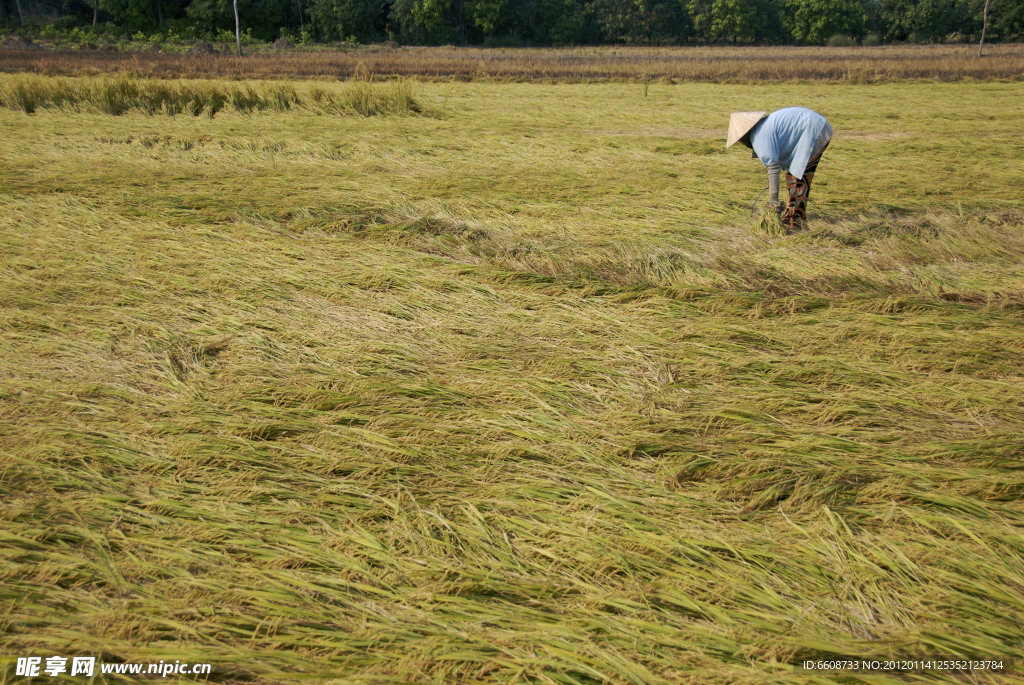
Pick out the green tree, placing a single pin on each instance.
(131, 15)
(641, 21)
(342, 19)
(557, 22)
(740, 21)
(487, 15)
(1007, 19)
(815, 21)
(542, 21)
(262, 17)
(929, 19)
(430, 22)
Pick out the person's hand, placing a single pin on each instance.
(777, 206)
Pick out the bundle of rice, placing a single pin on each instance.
(768, 223)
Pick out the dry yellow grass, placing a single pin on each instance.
(715, 64)
(117, 96)
(513, 394)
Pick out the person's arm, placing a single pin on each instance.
(774, 168)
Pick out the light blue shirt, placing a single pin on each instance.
(791, 137)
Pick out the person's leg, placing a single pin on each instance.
(795, 213)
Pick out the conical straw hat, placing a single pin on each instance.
(740, 124)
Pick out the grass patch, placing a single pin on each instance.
(366, 98)
(117, 96)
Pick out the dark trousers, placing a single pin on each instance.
(795, 213)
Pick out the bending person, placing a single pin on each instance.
(792, 139)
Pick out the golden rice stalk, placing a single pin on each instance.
(768, 223)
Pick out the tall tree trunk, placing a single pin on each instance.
(21, 15)
(95, 11)
(238, 30)
(984, 26)
(302, 26)
(3, 9)
(462, 21)
(159, 13)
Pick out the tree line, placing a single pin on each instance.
(541, 22)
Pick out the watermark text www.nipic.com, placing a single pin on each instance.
(88, 666)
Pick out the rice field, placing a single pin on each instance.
(508, 388)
